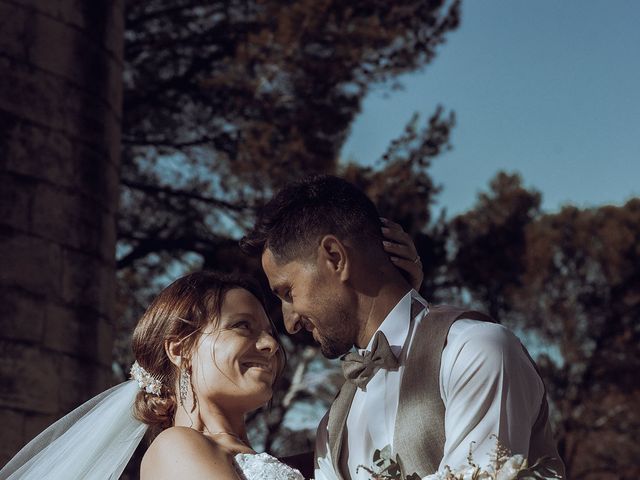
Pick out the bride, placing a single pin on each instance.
(206, 355)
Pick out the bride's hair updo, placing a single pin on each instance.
(180, 312)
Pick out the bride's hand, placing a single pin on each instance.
(402, 252)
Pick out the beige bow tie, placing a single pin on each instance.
(359, 369)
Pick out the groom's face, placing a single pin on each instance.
(312, 300)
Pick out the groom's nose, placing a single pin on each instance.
(291, 319)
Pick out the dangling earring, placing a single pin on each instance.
(185, 381)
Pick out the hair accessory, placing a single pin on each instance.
(185, 380)
(146, 381)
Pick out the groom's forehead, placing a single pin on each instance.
(279, 273)
(276, 272)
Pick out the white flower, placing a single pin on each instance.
(510, 468)
(435, 476)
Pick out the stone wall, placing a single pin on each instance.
(60, 108)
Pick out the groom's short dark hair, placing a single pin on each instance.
(292, 223)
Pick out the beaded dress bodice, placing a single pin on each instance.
(263, 466)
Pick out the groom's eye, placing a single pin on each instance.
(287, 295)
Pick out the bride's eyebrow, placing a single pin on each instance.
(251, 317)
(248, 316)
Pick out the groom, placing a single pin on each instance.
(432, 381)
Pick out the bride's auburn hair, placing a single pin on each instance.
(181, 312)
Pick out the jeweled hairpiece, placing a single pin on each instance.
(146, 381)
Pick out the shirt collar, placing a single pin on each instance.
(396, 324)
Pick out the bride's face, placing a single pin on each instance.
(236, 359)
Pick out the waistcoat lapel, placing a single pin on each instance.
(336, 423)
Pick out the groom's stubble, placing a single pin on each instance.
(334, 324)
(319, 302)
(337, 340)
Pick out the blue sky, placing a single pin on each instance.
(546, 88)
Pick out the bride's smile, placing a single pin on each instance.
(236, 361)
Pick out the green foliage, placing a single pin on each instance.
(490, 241)
(583, 294)
(226, 101)
(385, 466)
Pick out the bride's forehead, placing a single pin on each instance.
(240, 302)
(239, 298)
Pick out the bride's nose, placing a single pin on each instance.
(267, 343)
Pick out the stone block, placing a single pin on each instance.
(78, 332)
(81, 380)
(95, 176)
(23, 315)
(70, 53)
(102, 21)
(44, 154)
(16, 197)
(88, 281)
(30, 263)
(13, 438)
(54, 102)
(37, 151)
(30, 378)
(72, 220)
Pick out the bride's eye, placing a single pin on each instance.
(243, 325)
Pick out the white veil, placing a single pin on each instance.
(94, 441)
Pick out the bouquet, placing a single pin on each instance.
(503, 466)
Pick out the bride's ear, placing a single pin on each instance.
(174, 350)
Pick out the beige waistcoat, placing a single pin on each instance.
(419, 435)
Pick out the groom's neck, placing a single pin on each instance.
(389, 291)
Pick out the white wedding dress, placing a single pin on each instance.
(263, 466)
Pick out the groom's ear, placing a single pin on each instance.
(333, 257)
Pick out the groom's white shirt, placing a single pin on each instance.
(487, 384)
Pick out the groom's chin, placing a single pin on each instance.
(333, 350)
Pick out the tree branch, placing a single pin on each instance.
(157, 189)
(153, 244)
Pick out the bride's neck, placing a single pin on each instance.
(212, 420)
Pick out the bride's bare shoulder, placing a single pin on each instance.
(181, 452)
(177, 439)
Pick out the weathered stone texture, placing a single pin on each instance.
(30, 263)
(27, 373)
(76, 55)
(60, 108)
(51, 102)
(16, 306)
(11, 421)
(62, 162)
(16, 196)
